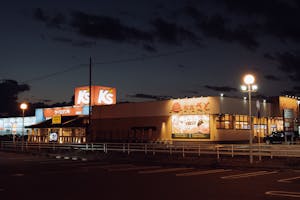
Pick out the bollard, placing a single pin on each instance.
(218, 153)
(153, 150)
(199, 151)
(128, 149)
(123, 148)
(183, 151)
(232, 151)
(145, 148)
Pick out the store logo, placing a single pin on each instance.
(106, 97)
(83, 97)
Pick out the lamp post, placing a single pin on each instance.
(249, 80)
(23, 107)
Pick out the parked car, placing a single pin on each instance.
(280, 137)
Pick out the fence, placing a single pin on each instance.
(217, 150)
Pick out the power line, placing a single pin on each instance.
(55, 73)
(134, 59)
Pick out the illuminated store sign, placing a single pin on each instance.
(99, 96)
(63, 111)
(191, 105)
(190, 126)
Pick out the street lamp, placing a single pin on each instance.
(249, 80)
(23, 107)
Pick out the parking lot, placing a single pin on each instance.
(24, 175)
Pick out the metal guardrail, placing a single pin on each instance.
(259, 150)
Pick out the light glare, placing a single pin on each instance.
(243, 87)
(249, 79)
(23, 106)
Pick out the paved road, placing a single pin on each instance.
(24, 176)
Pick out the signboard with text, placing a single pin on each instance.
(100, 95)
(190, 126)
(56, 119)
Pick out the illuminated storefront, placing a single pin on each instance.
(208, 119)
(189, 119)
(73, 120)
(14, 125)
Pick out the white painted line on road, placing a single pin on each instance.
(19, 175)
(53, 162)
(106, 166)
(251, 174)
(163, 170)
(134, 168)
(74, 158)
(195, 173)
(288, 180)
(283, 194)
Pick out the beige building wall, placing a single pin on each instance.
(153, 120)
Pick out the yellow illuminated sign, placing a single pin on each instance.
(56, 119)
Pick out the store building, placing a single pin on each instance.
(70, 124)
(201, 119)
(188, 119)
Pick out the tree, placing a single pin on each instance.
(10, 89)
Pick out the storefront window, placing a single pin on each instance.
(242, 122)
(224, 121)
(260, 126)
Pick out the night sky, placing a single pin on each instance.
(150, 49)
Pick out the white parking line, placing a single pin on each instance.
(106, 166)
(163, 170)
(19, 175)
(288, 180)
(134, 168)
(283, 194)
(251, 174)
(195, 173)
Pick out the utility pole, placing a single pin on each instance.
(90, 100)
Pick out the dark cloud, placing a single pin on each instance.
(272, 77)
(277, 17)
(39, 15)
(55, 21)
(79, 43)
(171, 33)
(192, 92)
(193, 12)
(150, 96)
(288, 63)
(149, 48)
(269, 56)
(104, 27)
(221, 89)
(217, 27)
(112, 28)
(295, 91)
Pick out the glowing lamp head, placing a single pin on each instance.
(243, 87)
(254, 87)
(249, 79)
(23, 106)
